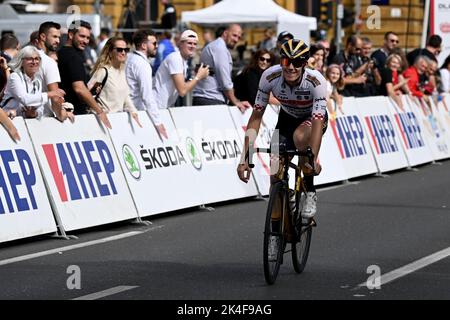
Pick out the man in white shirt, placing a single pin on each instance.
(170, 78)
(49, 36)
(139, 76)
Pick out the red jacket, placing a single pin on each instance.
(413, 81)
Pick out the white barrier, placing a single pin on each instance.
(261, 171)
(411, 133)
(24, 206)
(431, 128)
(444, 114)
(215, 151)
(158, 170)
(383, 135)
(352, 141)
(81, 171)
(333, 169)
(93, 178)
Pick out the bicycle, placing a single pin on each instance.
(284, 225)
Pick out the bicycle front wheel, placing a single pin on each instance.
(273, 232)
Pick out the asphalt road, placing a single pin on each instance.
(381, 223)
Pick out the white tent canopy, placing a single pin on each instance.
(252, 12)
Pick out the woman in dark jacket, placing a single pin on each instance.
(246, 83)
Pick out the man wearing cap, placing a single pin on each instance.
(282, 37)
(218, 88)
(170, 78)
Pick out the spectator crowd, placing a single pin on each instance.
(48, 77)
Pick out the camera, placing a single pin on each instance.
(211, 71)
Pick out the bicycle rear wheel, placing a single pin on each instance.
(273, 233)
(300, 247)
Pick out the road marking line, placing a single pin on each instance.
(75, 246)
(412, 267)
(105, 293)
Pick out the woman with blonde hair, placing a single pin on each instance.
(23, 93)
(335, 83)
(108, 82)
(393, 84)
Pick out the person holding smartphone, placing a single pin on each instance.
(23, 93)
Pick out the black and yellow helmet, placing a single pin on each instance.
(295, 49)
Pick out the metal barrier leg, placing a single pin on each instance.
(138, 220)
(203, 207)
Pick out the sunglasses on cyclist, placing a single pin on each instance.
(297, 63)
(126, 50)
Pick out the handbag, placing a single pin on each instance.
(98, 86)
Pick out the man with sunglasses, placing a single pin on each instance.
(379, 56)
(140, 79)
(303, 116)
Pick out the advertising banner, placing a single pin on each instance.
(383, 135)
(411, 133)
(261, 171)
(24, 206)
(158, 170)
(352, 140)
(214, 149)
(81, 171)
(432, 129)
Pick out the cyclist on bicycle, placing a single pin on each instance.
(303, 117)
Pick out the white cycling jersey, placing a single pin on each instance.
(305, 100)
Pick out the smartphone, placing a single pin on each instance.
(211, 71)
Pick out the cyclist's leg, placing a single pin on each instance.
(302, 138)
(281, 141)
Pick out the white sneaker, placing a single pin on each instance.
(273, 248)
(310, 206)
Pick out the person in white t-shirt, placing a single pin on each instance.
(49, 36)
(170, 78)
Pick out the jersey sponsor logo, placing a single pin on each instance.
(273, 76)
(313, 80)
(82, 170)
(323, 99)
(409, 130)
(17, 181)
(349, 134)
(294, 102)
(382, 133)
(302, 93)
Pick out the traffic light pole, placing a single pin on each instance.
(339, 16)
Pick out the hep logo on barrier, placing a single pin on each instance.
(17, 179)
(83, 168)
(409, 130)
(349, 135)
(382, 133)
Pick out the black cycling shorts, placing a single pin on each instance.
(286, 126)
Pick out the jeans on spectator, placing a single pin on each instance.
(199, 101)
